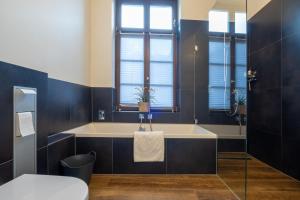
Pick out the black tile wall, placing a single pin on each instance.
(59, 150)
(42, 161)
(6, 172)
(102, 99)
(291, 60)
(291, 128)
(291, 17)
(123, 160)
(265, 27)
(69, 105)
(103, 149)
(12, 75)
(60, 106)
(231, 145)
(186, 156)
(273, 125)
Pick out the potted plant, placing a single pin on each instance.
(144, 98)
(241, 101)
(242, 105)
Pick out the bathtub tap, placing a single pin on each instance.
(141, 117)
(150, 120)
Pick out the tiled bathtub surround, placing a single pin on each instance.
(189, 150)
(273, 121)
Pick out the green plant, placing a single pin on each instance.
(239, 98)
(144, 94)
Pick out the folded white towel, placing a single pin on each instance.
(149, 146)
(24, 124)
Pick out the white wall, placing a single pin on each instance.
(102, 43)
(47, 35)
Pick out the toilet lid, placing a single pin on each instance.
(37, 187)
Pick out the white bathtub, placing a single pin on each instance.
(126, 130)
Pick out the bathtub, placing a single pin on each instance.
(231, 138)
(189, 149)
(126, 130)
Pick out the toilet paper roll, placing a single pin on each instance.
(24, 124)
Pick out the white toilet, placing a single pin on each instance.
(37, 187)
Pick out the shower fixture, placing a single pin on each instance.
(251, 78)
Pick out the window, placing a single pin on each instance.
(241, 68)
(240, 23)
(227, 62)
(146, 52)
(218, 21)
(219, 74)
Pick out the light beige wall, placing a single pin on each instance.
(47, 35)
(253, 6)
(102, 43)
(195, 9)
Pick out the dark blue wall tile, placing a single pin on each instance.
(69, 106)
(231, 145)
(12, 75)
(291, 17)
(123, 160)
(103, 100)
(57, 151)
(267, 63)
(103, 149)
(42, 161)
(191, 156)
(291, 60)
(291, 130)
(265, 146)
(265, 110)
(6, 172)
(264, 28)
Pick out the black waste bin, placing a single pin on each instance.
(79, 166)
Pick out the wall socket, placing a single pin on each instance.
(101, 115)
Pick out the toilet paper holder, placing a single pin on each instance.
(24, 148)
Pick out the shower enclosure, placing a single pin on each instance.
(223, 94)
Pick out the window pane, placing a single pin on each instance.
(161, 17)
(241, 52)
(128, 94)
(131, 67)
(161, 49)
(240, 23)
(219, 74)
(219, 98)
(132, 48)
(218, 21)
(163, 96)
(161, 73)
(132, 16)
(240, 77)
(216, 51)
(132, 72)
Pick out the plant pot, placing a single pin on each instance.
(144, 106)
(242, 109)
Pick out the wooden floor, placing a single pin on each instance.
(263, 182)
(158, 187)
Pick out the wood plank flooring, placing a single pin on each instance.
(158, 187)
(263, 181)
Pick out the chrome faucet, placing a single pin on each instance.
(150, 120)
(141, 117)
